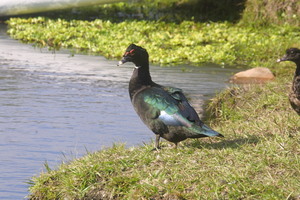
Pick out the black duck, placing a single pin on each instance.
(165, 110)
(293, 54)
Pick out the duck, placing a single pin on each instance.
(164, 110)
(293, 54)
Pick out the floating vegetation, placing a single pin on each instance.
(168, 43)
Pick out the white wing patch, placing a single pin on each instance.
(172, 120)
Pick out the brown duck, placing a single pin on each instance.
(293, 54)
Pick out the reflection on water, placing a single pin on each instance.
(56, 104)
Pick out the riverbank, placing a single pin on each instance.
(257, 159)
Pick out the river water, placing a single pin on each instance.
(55, 107)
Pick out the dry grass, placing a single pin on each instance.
(272, 12)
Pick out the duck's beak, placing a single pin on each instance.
(125, 59)
(121, 62)
(284, 58)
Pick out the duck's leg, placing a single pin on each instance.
(156, 147)
(157, 141)
(175, 145)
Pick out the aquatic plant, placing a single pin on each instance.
(168, 43)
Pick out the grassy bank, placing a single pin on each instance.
(258, 159)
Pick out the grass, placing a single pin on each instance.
(258, 159)
(259, 12)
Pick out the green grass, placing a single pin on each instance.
(259, 158)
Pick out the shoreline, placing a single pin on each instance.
(257, 159)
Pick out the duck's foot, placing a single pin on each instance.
(156, 149)
(175, 145)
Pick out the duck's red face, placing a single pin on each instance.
(135, 54)
(127, 57)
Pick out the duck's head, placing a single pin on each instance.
(292, 54)
(136, 54)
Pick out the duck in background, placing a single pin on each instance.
(165, 110)
(293, 54)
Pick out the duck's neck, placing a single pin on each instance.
(140, 78)
(297, 73)
(296, 82)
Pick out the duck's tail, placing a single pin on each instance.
(205, 131)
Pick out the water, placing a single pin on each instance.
(55, 106)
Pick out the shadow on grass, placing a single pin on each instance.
(224, 144)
